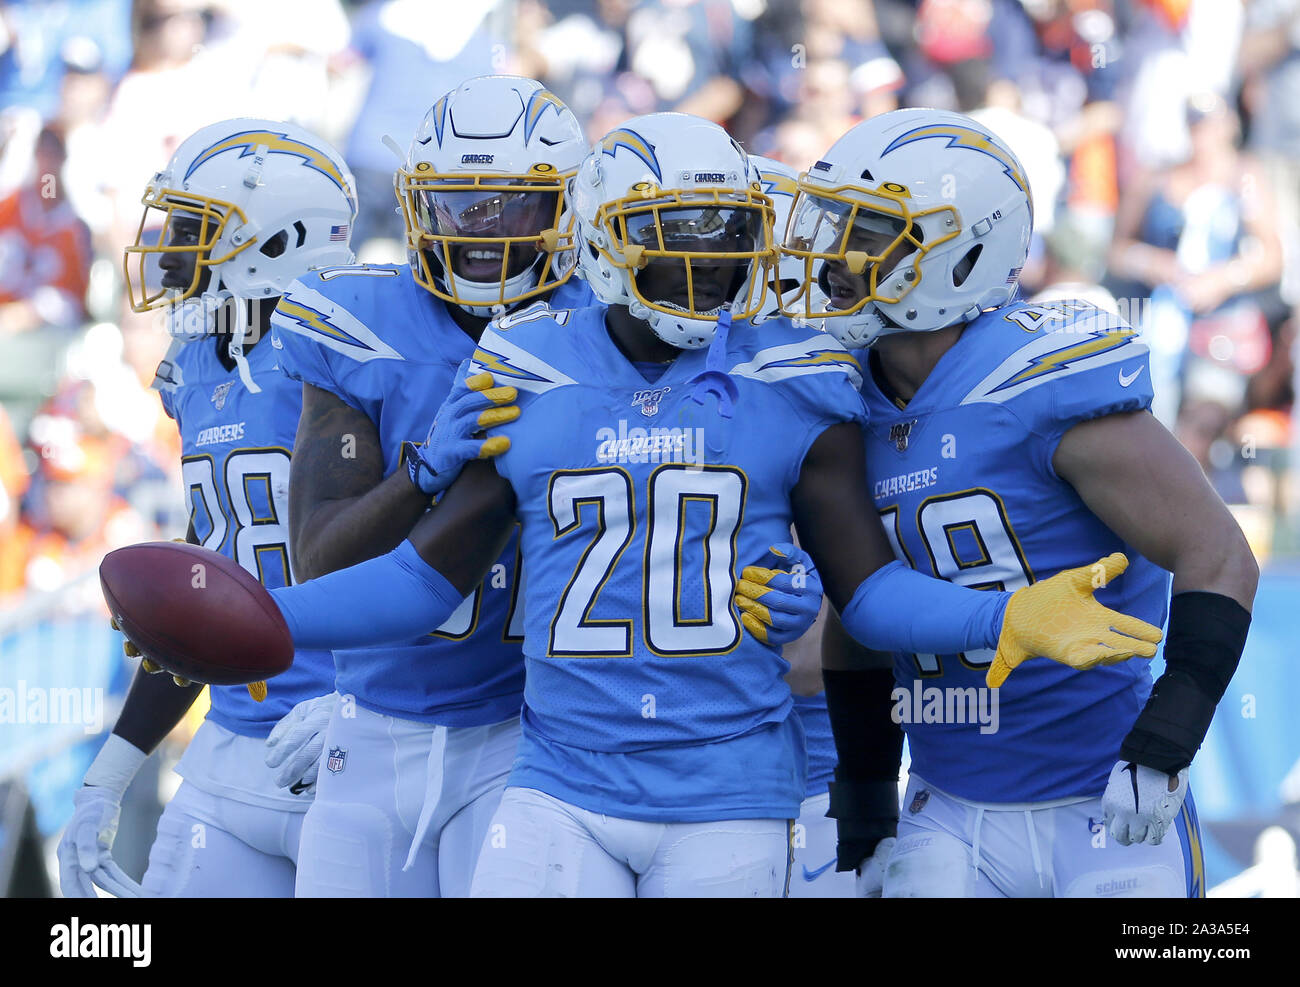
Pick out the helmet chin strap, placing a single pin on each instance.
(194, 318)
(680, 331)
(238, 333)
(494, 311)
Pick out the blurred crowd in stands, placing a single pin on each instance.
(1161, 138)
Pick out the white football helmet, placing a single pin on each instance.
(780, 183)
(257, 202)
(913, 221)
(482, 194)
(667, 197)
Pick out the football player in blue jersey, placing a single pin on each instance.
(418, 749)
(243, 208)
(658, 450)
(1008, 442)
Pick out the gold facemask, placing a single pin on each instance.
(863, 233)
(696, 228)
(513, 220)
(212, 217)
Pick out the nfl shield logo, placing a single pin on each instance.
(898, 434)
(337, 757)
(649, 400)
(918, 801)
(219, 395)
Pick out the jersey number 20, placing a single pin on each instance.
(603, 499)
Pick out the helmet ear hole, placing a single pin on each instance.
(964, 266)
(277, 245)
(866, 174)
(302, 233)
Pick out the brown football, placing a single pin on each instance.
(196, 613)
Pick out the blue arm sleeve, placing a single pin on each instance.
(395, 597)
(896, 609)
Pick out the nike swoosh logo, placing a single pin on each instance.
(298, 787)
(1125, 381)
(814, 874)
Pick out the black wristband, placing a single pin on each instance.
(1207, 633)
(868, 740)
(865, 812)
(869, 743)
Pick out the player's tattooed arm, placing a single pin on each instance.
(1144, 486)
(342, 510)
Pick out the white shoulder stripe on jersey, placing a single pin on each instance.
(820, 354)
(511, 364)
(1070, 349)
(308, 313)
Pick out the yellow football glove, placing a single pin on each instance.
(780, 603)
(131, 651)
(505, 411)
(1059, 619)
(257, 690)
(455, 437)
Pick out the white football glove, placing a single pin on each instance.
(871, 872)
(294, 747)
(86, 849)
(1138, 806)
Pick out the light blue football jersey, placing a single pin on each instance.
(819, 741)
(235, 449)
(962, 477)
(384, 345)
(639, 507)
